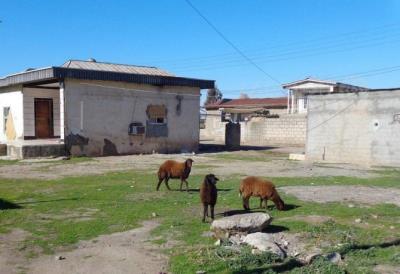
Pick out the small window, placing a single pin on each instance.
(156, 125)
(157, 120)
(6, 112)
(157, 114)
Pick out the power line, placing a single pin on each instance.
(271, 59)
(336, 37)
(230, 43)
(356, 75)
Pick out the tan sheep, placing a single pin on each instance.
(171, 169)
(258, 187)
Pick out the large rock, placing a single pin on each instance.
(250, 222)
(263, 242)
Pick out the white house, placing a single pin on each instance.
(95, 108)
(298, 92)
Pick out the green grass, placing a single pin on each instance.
(114, 202)
(8, 162)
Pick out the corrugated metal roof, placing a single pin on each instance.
(153, 76)
(102, 66)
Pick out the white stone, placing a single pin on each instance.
(263, 242)
(250, 222)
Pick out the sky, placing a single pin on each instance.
(356, 42)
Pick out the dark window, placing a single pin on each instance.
(6, 112)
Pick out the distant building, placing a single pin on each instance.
(298, 92)
(238, 110)
(95, 108)
(263, 121)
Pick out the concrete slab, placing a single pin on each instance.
(23, 149)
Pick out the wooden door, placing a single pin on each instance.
(43, 118)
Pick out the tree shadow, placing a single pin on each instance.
(4, 205)
(50, 201)
(211, 148)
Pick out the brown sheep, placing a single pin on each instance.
(258, 187)
(171, 169)
(208, 195)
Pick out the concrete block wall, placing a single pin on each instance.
(286, 130)
(359, 128)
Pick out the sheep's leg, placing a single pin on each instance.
(212, 211)
(181, 185)
(246, 203)
(261, 202)
(166, 183)
(205, 212)
(159, 183)
(266, 203)
(187, 186)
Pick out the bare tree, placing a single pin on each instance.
(243, 96)
(213, 95)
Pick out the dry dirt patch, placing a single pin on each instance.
(122, 252)
(270, 166)
(11, 258)
(350, 194)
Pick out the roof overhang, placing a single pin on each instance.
(60, 73)
(241, 110)
(304, 81)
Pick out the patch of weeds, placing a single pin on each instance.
(159, 241)
(243, 260)
(337, 233)
(319, 265)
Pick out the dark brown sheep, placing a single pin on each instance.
(171, 169)
(258, 187)
(208, 194)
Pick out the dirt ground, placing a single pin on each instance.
(275, 164)
(350, 194)
(130, 250)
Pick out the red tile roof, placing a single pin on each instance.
(250, 102)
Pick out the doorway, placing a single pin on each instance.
(44, 118)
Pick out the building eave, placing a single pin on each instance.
(60, 73)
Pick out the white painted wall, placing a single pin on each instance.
(12, 97)
(101, 110)
(29, 108)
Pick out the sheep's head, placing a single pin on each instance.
(280, 205)
(211, 179)
(189, 163)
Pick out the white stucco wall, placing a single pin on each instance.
(357, 128)
(29, 95)
(99, 110)
(12, 97)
